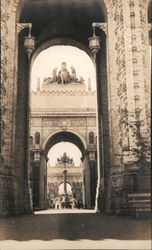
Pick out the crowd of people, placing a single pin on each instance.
(61, 202)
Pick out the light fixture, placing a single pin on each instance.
(94, 43)
(29, 43)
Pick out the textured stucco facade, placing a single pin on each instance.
(123, 97)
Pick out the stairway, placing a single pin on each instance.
(139, 204)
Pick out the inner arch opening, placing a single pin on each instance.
(64, 136)
(52, 57)
(58, 150)
(63, 109)
(77, 26)
(65, 180)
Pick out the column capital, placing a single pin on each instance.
(102, 26)
(92, 156)
(38, 153)
(21, 26)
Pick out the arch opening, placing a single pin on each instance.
(78, 57)
(44, 35)
(69, 106)
(61, 189)
(65, 181)
(64, 136)
(59, 149)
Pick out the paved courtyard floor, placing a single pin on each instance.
(66, 211)
(47, 230)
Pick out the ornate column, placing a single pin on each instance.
(64, 180)
(94, 45)
(86, 180)
(8, 173)
(93, 175)
(17, 193)
(65, 159)
(39, 178)
(36, 177)
(128, 84)
(83, 183)
(29, 46)
(43, 180)
(39, 174)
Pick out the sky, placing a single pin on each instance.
(68, 187)
(52, 57)
(58, 149)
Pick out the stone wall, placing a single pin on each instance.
(14, 195)
(8, 173)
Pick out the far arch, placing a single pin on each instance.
(60, 187)
(65, 136)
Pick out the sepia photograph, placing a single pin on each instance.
(75, 125)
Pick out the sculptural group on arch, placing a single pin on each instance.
(63, 76)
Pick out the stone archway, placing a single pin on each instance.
(39, 168)
(69, 136)
(20, 100)
(126, 67)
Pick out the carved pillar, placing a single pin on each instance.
(93, 176)
(138, 87)
(8, 89)
(138, 71)
(36, 178)
(128, 84)
(31, 170)
(39, 178)
(43, 181)
(64, 181)
(17, 192)
(83, 184)
(87, 180)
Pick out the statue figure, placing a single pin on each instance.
(63, 76)
(73, 74)
(37, 137)
(81, 80)
(45, 81)
(54, 75)
(91, 137)
(59, 77)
